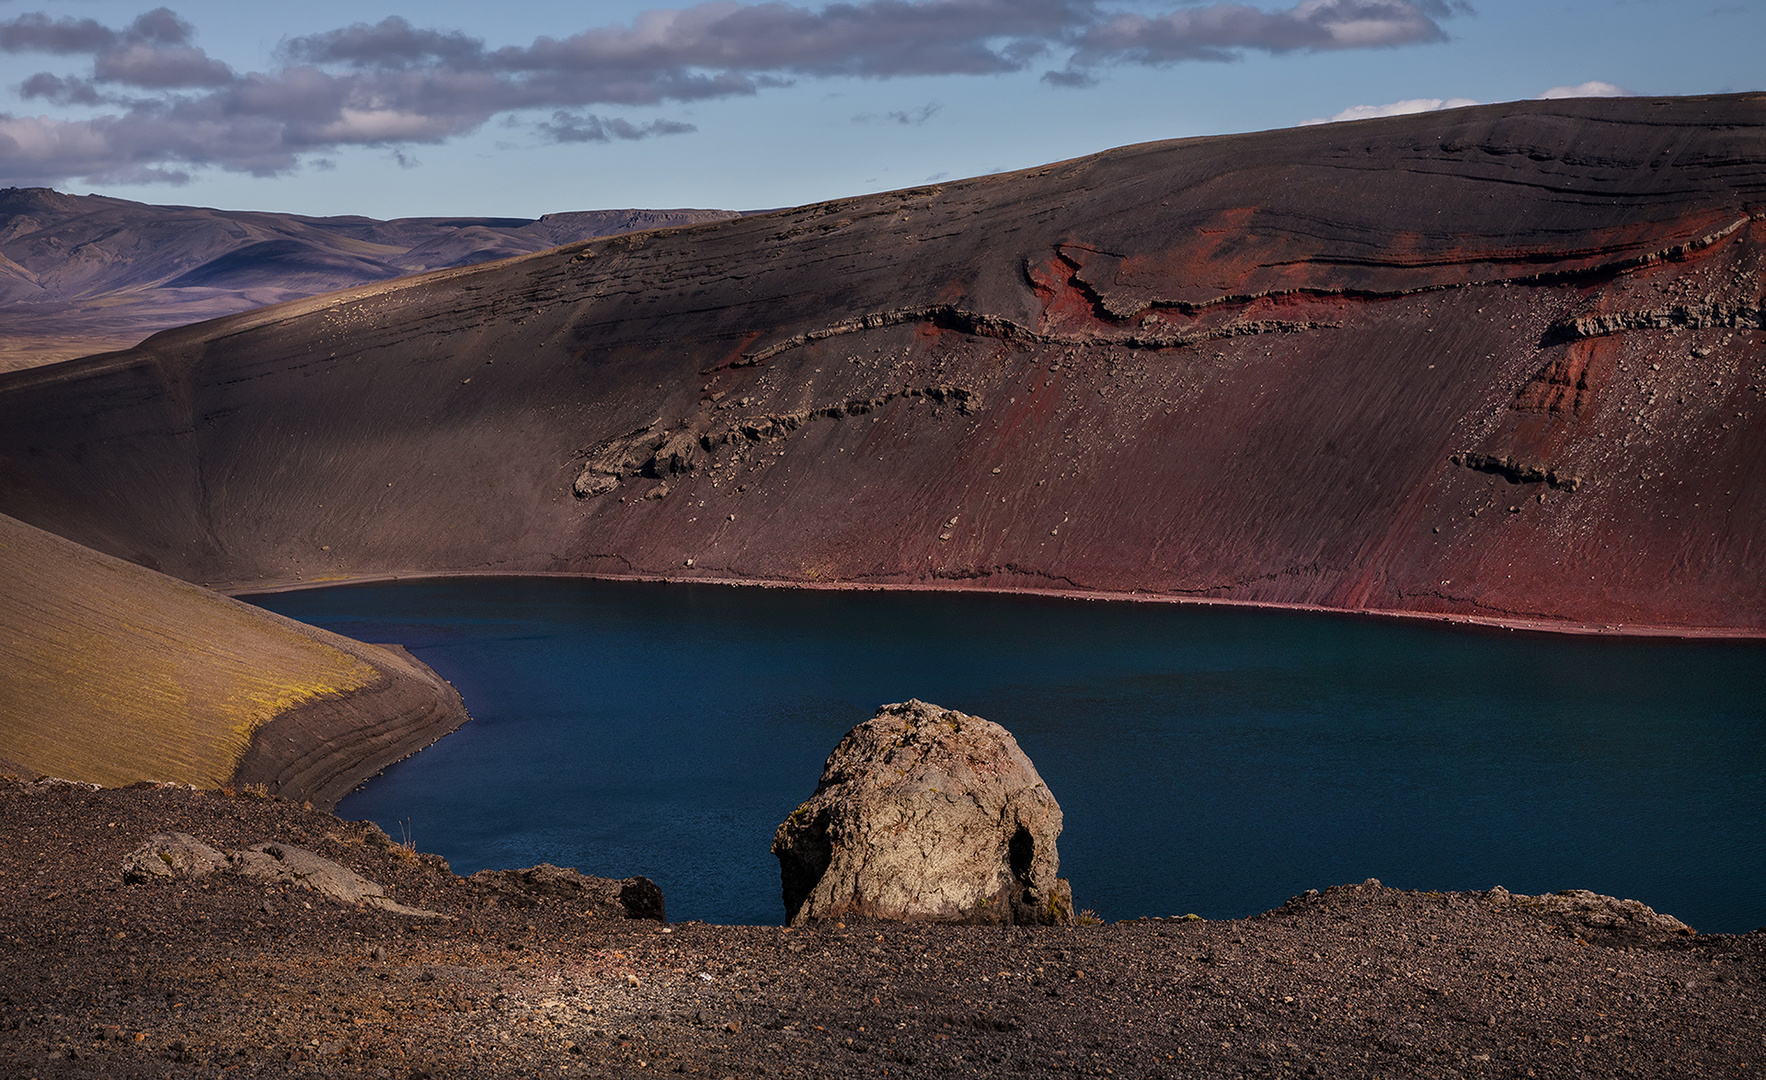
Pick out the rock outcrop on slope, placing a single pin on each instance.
(1605, 920)
(180, 856)
(1499, 363)
(112, 674)
(925, 814)
(81, 274)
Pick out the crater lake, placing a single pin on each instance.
(1207, 759)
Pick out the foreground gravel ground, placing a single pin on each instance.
(222, 976)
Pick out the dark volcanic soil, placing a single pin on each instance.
(221, 976)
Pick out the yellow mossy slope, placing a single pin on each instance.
(112, 673)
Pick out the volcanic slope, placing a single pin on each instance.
(83, 273)
(1498, 363)
(114, 674)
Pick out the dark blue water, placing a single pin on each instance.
(1207, 760)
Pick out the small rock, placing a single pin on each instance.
(172, 855)
(590, 484)
(630, 898)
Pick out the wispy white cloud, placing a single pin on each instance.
(1587, 89)
(1394, 108)
(1226, 31)
(1421, 105)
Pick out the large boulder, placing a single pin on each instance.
(928, 815)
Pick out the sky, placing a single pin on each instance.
(391, 108)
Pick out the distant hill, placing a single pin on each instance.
(81, 274)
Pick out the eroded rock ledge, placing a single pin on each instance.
(178, 856)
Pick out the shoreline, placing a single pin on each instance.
(553, 600)
(1515, 623)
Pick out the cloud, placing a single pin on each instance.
(1070, 79)
(871, 38)
(1587, 89)
(566, 127)
(1225, 31)
(1396, 108)
(917, 116)
(59, 91)
(152, 53)
(159, 67)
(36, 32)
(171, 108)
(159, 29)
(906, 118)
(1419, 105)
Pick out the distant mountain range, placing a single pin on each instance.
(81, 274)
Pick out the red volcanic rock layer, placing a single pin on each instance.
(1499, 363)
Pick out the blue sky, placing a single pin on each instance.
(399, 109)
